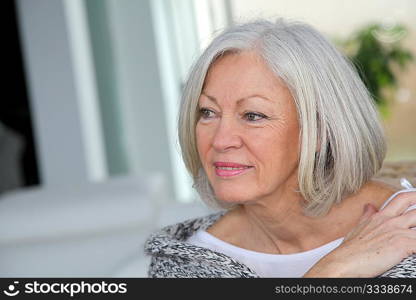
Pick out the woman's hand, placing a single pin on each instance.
(381, 240)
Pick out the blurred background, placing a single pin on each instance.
(89, 158)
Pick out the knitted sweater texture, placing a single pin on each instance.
(173, 257)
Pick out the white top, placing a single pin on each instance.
(276, 265)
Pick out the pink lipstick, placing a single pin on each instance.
(228, 169)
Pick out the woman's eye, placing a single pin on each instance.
(253, 116)
(206, 113)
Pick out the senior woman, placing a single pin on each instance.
(277, 129)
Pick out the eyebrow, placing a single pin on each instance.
(213, 99)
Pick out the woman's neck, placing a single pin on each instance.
(281, 227)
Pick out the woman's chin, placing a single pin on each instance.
(233, 197)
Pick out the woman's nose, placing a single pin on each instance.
(227, 135)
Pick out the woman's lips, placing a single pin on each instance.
(228, 169)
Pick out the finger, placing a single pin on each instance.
(405, 221)
(399, 204)
(368, 211)
(403, 241)
(409, 219)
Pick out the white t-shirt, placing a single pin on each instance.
(275, 265)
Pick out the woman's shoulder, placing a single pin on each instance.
(381, 191)
(179, 232)
(172, 256)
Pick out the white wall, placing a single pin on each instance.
(66, 129)
(139, 88)
(64, 98)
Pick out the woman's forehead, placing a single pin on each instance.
(241, 75)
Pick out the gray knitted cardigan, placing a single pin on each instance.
(173, 257)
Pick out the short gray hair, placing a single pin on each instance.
(342, 143)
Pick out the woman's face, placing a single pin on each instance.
(247, 132)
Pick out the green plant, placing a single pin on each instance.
(375, 50)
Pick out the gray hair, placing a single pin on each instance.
(342, 143)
